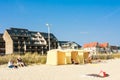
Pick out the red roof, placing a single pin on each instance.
(103, 45)
(95, 44)
(92, 44)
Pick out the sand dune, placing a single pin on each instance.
(62, 72)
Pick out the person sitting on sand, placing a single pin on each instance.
(90, 55)
(20, 62)
(89, 58)
(11, 64)
(73, 61)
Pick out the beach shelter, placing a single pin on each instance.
(83, 55)
(79, 56)
(68, 56)
(87, 58)
(61, 57)
(56, 57)
(71, 54)
(74, 56)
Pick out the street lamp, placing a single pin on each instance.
(42, 50)
(48, 35)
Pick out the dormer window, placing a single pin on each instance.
(40, 36)
(42, 41)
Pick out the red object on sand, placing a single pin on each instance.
(102, 73)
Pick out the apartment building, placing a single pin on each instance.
(2, 45)
(18, 40)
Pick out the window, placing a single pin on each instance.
(22, 31)
(15, 37)
(40, 36)
(42, 41)
(15, 31)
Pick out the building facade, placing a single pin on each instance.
(2, 45)
(22, 40)
(68, 45)
(115, 49)
(96, 47)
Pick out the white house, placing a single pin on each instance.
(96, 47)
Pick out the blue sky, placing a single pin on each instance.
(81, 21)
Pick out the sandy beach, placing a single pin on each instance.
(62, 72)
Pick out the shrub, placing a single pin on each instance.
(116, 55)
(102, 56)
(28, 58)
(43, 59)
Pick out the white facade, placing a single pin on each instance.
(68, 45)
(93, 50)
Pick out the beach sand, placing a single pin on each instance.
(63, 72)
